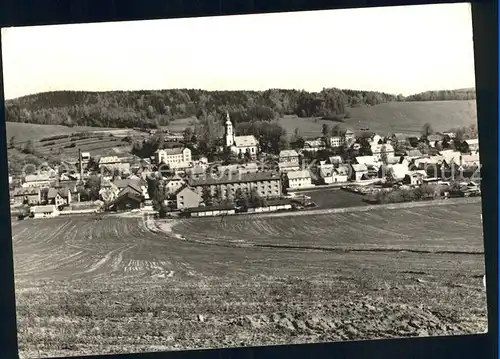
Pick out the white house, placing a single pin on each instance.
(451, 156)
(415, 178)
(299, 179)
(335, 141)
(239, 144)
(359, 172)
(288, 161)
(330, 175)
(175, 183)
(174, 157)
(49, 211)
(41, 180)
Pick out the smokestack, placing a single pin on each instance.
(81, 164)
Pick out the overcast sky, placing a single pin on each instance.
(397, 50)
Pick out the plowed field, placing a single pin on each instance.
(87, 286)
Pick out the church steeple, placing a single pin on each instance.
(229, 131)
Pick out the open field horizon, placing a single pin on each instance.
(117, 285)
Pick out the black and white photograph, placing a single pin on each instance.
(244, 180)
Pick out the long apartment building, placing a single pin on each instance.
(266, 184)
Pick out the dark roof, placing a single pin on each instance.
(209, 208)
(127, 194)
(233, 178)
(124, 183)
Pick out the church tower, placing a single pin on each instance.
(229, 131)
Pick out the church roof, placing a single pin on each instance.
(245, 141)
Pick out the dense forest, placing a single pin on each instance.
(149, 109)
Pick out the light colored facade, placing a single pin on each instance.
(175, 183)
(470, 160)
(288, 161)
(188, 198)
(49, 211)
(174, 157)
(239, 145)
(473, 145)
(313, 146)
(359, 172)
(336, 141)
(42, 181)
(299, 179)
(330, 175)
(225, 186)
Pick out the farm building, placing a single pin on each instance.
(288, 161)
(366, 160)
(266, 184)
(359, 172)
(335, 160)
(187, 198)
(399, 170)
(299, 179)
(48, 211)
(127, 199)
(177, 157)
(211, 211)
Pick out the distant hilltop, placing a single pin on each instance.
(150, 109)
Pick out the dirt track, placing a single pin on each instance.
(245, 280)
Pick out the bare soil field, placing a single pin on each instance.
(87, 286)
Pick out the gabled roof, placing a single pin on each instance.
(474, 141)
(245, 141)
(298, 174)
(44, 209)
(414, 153)
(359, 168)
(288, 153)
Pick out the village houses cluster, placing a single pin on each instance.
(195, 187)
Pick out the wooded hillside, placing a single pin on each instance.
(149, 109)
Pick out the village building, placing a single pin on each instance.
(367, 160)
(335, 141)
(59, 197)
(451, 157)
(313, 145)
(225, 186)
(85, 158)
(288, 161)
(349, 135)
(398, 139)
(109, 162)
(451, 135)
(299, 179)
(48, 211)
(413, 154)
(415, 178)
(131, 197)
(30, 195)
(359, 172)
(39, 180)
(175, 183)
(330, 175)
(187, 198)
(196, 171)
(239, 145)
(382, 151)
(335, 160)
(435, 140)
(175, 158)
(375, 140)
(472, 145)
(470, 160)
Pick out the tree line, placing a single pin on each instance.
(151, 109)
